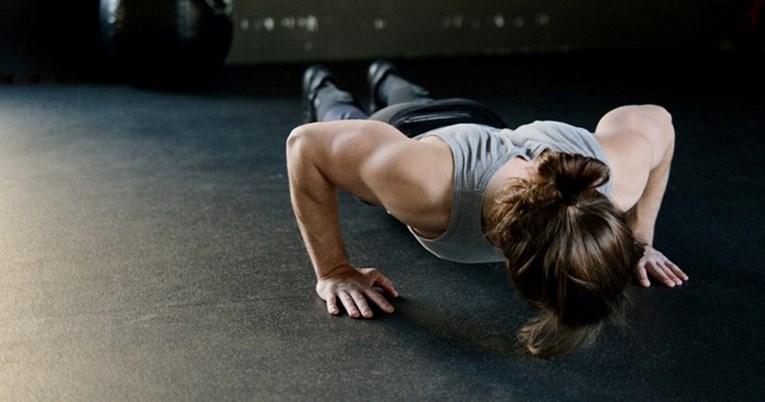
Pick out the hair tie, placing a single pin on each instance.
(569, 199)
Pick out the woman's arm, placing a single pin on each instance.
(643, 220)
(371, 160)
(319, 161)
(639, 142)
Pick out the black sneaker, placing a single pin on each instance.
(377, 72)
(314, 78)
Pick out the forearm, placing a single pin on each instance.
(653, 262)
(644, 213)
(315, 203)
(320, 228)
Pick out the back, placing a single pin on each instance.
(561, 137)
(479, 152)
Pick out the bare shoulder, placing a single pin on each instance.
(651, 122)
(339, 136)
(377, 163)
(634, 139)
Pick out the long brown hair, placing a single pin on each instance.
(569, 251)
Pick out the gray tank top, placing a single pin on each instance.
(479, 151)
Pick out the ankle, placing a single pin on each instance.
(329, 96)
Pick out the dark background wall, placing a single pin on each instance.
(42, 39)
(275, 30)
(50, 38)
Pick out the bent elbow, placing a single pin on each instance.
(297, 143)
(295, 149)
(297, 135)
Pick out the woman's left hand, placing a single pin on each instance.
(660, 268)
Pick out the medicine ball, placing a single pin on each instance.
(167, 43)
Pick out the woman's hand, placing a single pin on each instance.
(660, 268)
(355, 287)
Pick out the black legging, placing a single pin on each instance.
(407, 106)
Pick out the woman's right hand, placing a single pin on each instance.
(354, 288)
(660, 268)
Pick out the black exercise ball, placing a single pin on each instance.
(167, 43)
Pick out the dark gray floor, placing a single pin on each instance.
(148, 249)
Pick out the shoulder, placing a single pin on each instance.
(411, 178)
(634, 139)
(337, 136)
(650, 125)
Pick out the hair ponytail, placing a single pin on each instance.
(544, 336)
(571, 174)
(569, 251)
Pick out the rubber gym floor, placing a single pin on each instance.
(148, 249)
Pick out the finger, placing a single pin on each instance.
(386, 285)
(361, 303)
(679, 272)
(664, 267)
(642, 276)
(659, 274)
(380, 301)
(332, 304)
(350, 306)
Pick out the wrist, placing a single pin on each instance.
(333, 271)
